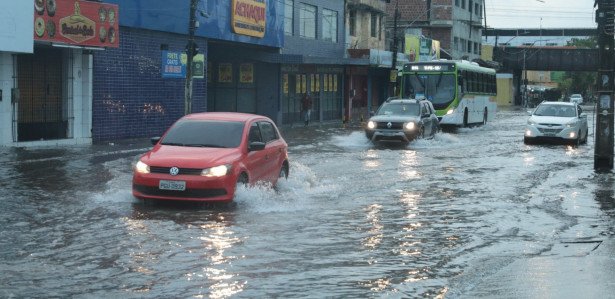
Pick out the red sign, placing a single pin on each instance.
(75, 22)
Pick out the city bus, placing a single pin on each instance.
(462, 92)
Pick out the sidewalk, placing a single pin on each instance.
(569, 270)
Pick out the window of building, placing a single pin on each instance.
(374, 25)
(470, 4)
(475, 48)
(288, 17)
(469, 49)
(456, 43)
(457, 3)
(329, 25)
(477, 10)
(463, 4)
(307, 21)
(380, 22)
(352, 22)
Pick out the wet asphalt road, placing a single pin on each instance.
(353, 220)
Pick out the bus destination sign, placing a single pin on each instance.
(430, 67)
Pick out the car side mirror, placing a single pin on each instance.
(154, 140)
(256, 146)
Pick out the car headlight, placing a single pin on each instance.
(141, 167)
(450, 111)
(531, 122)
(410, 126)
(371, 125)
(217, 171)
(571, 124)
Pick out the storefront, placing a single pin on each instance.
(322, 83)
(369, 85)
(51, 101)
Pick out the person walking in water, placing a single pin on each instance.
(306, 108)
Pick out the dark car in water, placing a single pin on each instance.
(402, 120)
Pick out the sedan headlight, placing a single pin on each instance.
(531, 122)
(371, 125)
(141, 167)
(217, 171)
(410, 126)
(572, 124)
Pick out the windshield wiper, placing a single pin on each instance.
(172, 143)
(205, 145)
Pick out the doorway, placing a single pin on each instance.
(41, 105)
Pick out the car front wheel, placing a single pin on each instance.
(284, 171)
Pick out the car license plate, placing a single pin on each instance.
(172, 185)
(550, 134)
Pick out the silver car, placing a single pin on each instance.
(402, 120)
(557, 121)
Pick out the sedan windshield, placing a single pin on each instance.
(555, 110)
(399, 109)
(199, 133)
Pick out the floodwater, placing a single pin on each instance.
(352, 220)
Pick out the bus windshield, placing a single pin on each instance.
(438, 88)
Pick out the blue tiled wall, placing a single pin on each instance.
(130, 97)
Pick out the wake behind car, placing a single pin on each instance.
(203, 156)
(557, 121)
(402, 120)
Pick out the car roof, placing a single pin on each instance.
(403, 101)
(225, 116)
(576, 95)
(558, 103)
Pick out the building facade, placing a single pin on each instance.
(135, 96)
(46, 69)
(457, 24)
(367, 85)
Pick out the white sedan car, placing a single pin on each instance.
(557, 121)
(576, 98)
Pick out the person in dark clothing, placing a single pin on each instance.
(306, 108)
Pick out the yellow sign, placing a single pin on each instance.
(246, 73)
(77, 27)
(334, 82)
(317, 79)
(285, 83)
(297, 83)
(225, 73)
(249, 17)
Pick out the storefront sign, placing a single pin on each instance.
(246, 73)
(249, 17)
(225, 73)
(198, 66)
(172, 65)
(79, 23)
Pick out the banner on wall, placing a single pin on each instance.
(420, 48)
(174, 65)
(246, 73)
(79, 23)
(225, 73)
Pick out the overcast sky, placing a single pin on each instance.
(528, 13)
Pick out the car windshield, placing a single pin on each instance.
(555, 110)
(399, 109)
(201, 133)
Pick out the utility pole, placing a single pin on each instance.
(393, 74)
(191, 50)
(603, 152)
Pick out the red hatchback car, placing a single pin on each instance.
(203, 156)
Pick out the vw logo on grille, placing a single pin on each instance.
(174, 171)
(389, 125)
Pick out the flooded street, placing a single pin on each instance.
(353, 220)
